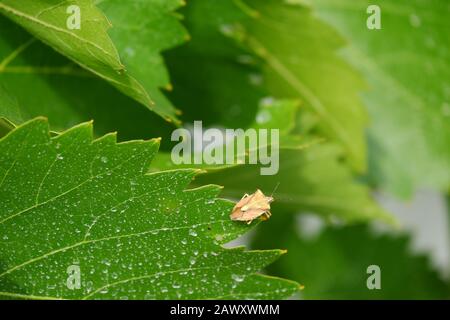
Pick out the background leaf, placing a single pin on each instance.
(9, 108)
(155, 28)
(407, 67)
(90, 46)
(70, 200)
(67, 94)
(278, 32)
(333, 263)
(215, 79)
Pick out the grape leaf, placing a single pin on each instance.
(70, 201)
(141, 30)
(350, 250)
(406, 64)
(90, 46)
(67, 94)
(301, 61)
(9, 108)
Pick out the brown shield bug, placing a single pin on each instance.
(250, 207)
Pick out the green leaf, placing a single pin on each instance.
(90, 46)
(333, 264)
(9, 108)
(141, 31)
(301, 61)
(406, 64)
(70, 200)
(67, 94)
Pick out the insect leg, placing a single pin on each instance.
(267, 215)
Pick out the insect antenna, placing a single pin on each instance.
(275, 189)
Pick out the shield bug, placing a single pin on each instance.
(250, 207)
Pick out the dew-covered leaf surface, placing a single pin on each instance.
(70, 201)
